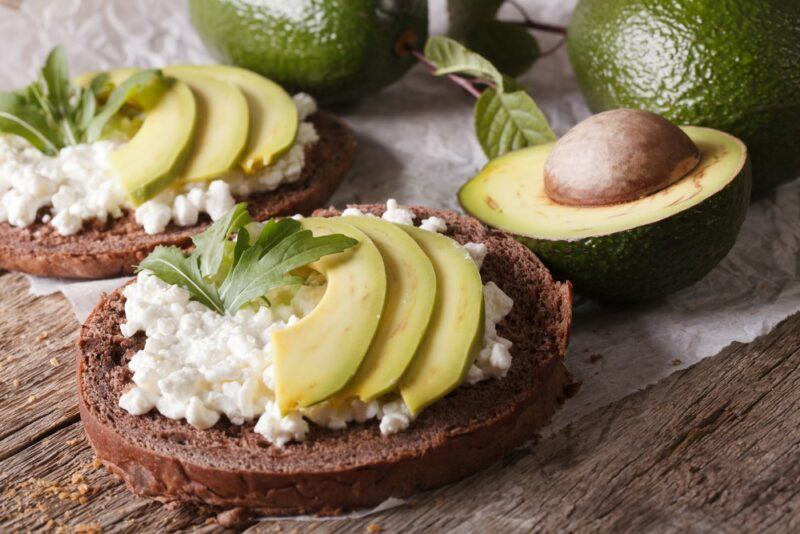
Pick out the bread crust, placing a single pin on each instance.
(105, 250)
(337, 471)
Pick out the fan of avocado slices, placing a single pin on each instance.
(626, 205)
(177, 124)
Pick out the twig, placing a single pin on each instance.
(528, 23)
(464, 83)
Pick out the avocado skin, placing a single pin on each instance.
(337, 50)
(733, 65)
(651, 261)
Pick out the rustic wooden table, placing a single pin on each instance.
(715, 447)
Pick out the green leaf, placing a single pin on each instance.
(451, 57)
(510, 48)
(55, 74)
(509, 121)
(257, 272)
(275, 231)
(213, 245)
(135, 85)
(18, 117)
(86, 108)
(170, 265)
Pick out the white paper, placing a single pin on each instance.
(416, 144)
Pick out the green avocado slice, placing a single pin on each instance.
(222, 125)
(410, 297)
(151, 160)
(318, 355)
(624, 252)
(455, 331)
(273, 115)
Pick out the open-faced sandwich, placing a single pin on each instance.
(323, 364)
(97, 172)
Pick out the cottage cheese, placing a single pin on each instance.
(78, 184)
(198, 365)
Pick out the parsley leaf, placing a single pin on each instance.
(225, 274)
(169, 264)
(51, 113)
(259, 269)
(214, 245)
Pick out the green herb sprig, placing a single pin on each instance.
(230, 267)
(506, 117)
(52, 113)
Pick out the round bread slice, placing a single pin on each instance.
(113, 248)
(235, 471)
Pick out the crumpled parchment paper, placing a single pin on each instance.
(416, 144)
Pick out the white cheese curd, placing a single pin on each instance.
(434, 224)
(199, 365)
(78, 184)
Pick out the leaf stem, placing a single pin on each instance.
(462, 82)
(534, 25)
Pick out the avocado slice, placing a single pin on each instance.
(410, 296)
(152, 159)
(273, 115)
(730, 65)
(222, 125)
(625, 252)
(455, 331)
(317, 356)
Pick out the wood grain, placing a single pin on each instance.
(714, 447)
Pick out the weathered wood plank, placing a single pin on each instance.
(712, 447)
(37, 372)
(55, 483)
(715, 447)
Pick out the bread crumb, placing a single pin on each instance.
(54, 362)
(374, 528)
(97, 463)
(31, 399)
(15, 382)
(677, 361)
(83, 489)
(71, 442)
(88, 528)
(594, 358)
(41, 337)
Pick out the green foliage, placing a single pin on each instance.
(225, 274)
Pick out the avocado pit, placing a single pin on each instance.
(618, 156)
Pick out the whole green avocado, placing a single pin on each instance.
(337, 50)
(733, 65)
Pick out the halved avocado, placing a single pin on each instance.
(152, 159)
(410, 296)
(222, 125)
(455, 331)
(273, 115)
(318, 355)
(632, 251)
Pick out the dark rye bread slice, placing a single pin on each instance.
(104, 250)
(235, 471)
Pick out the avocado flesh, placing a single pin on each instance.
(222, 126)
(410, 296)
(455, 331)
(273, 115)
(625, 252)
(733, 65)
(152, 159)
(336, 50)
(318, 355)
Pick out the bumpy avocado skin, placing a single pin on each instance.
(337, 50)
(657, 259)
(733, 65)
